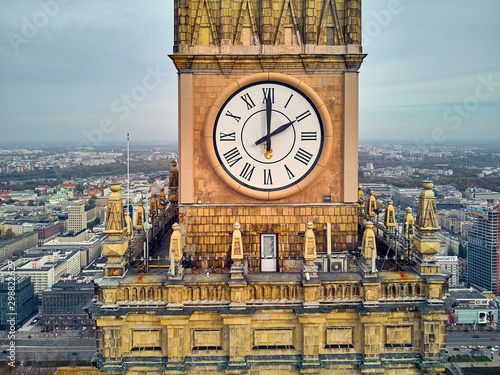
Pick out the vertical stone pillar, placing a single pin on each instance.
(177, 339)
(239, 341)
(182, 32)
(186, 132)
(310, 22)
(226, 22)
(350, 140)
(266, 20)
(372, 324)
(312, 328)
(352, 16)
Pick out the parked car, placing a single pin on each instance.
(456, 349)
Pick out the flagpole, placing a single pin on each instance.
(128, 175)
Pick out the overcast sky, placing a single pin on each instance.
(93, 70)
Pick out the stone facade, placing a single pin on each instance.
(212, 325)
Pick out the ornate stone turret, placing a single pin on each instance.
(173, 184)
(389, 216)
(162, 200)
(361, 200)
(176, 250)
(425, 240)
(130, 227)
(310, 251)
(153, 208)
(368, 249)
(371, 205)
(237, 253)
(116, 245)
(408, 224)
(361, 195)
(139, 217)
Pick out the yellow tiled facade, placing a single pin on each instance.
(207, 229)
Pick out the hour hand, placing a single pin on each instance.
(276, 131)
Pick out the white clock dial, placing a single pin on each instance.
(268, 136)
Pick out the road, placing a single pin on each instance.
(466, 338)
(53, 353)
(45, 349)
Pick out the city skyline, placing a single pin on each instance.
(79, 72)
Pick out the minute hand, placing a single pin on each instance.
(276, 131)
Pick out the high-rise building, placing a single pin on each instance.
(16, 312)
(483, 248)
(77, 217)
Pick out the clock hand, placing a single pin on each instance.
(268, 118)
(276, 131)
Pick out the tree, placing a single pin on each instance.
(41, 204)
(9, 233)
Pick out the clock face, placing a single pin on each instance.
(268, 136)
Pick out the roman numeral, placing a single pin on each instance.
(268, 179)
(247, 172)
(237, 118)
(289, 173)
(232, 156)
(267, 92)
(288, 101)
(227, 137)
(303, 115)
(308, 136)
(248, 100)
(303, 156)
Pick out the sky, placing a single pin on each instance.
(89, 71)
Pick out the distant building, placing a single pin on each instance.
(478, 193)
(406, 198)
(46, 269)
(68, 189)
(18, 243)
(62, 305)
(26, 302)
(77, 217)
(89, 244)
(47, 232)
(449, 265)
(483, 248)
(472, 308)
(97, 266)
(378, 189)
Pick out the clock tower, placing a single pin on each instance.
(268, 124)
(264, 276)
